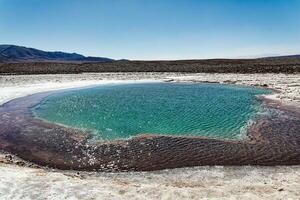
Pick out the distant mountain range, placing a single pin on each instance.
(13, 53)
(19, 54)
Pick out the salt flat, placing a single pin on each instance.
(187, 183)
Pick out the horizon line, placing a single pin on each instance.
(265, 55)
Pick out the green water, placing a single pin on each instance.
(120, 111)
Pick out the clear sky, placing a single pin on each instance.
(154, 29)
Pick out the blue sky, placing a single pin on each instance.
(154, 29)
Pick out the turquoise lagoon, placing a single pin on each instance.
(122, 111)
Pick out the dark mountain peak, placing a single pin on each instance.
(13, 53)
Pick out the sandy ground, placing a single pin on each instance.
(246, 182)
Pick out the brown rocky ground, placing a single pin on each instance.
(263, 65)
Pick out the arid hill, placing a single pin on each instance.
(14, 54)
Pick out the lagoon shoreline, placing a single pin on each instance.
(286, 84)
(269, 141)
